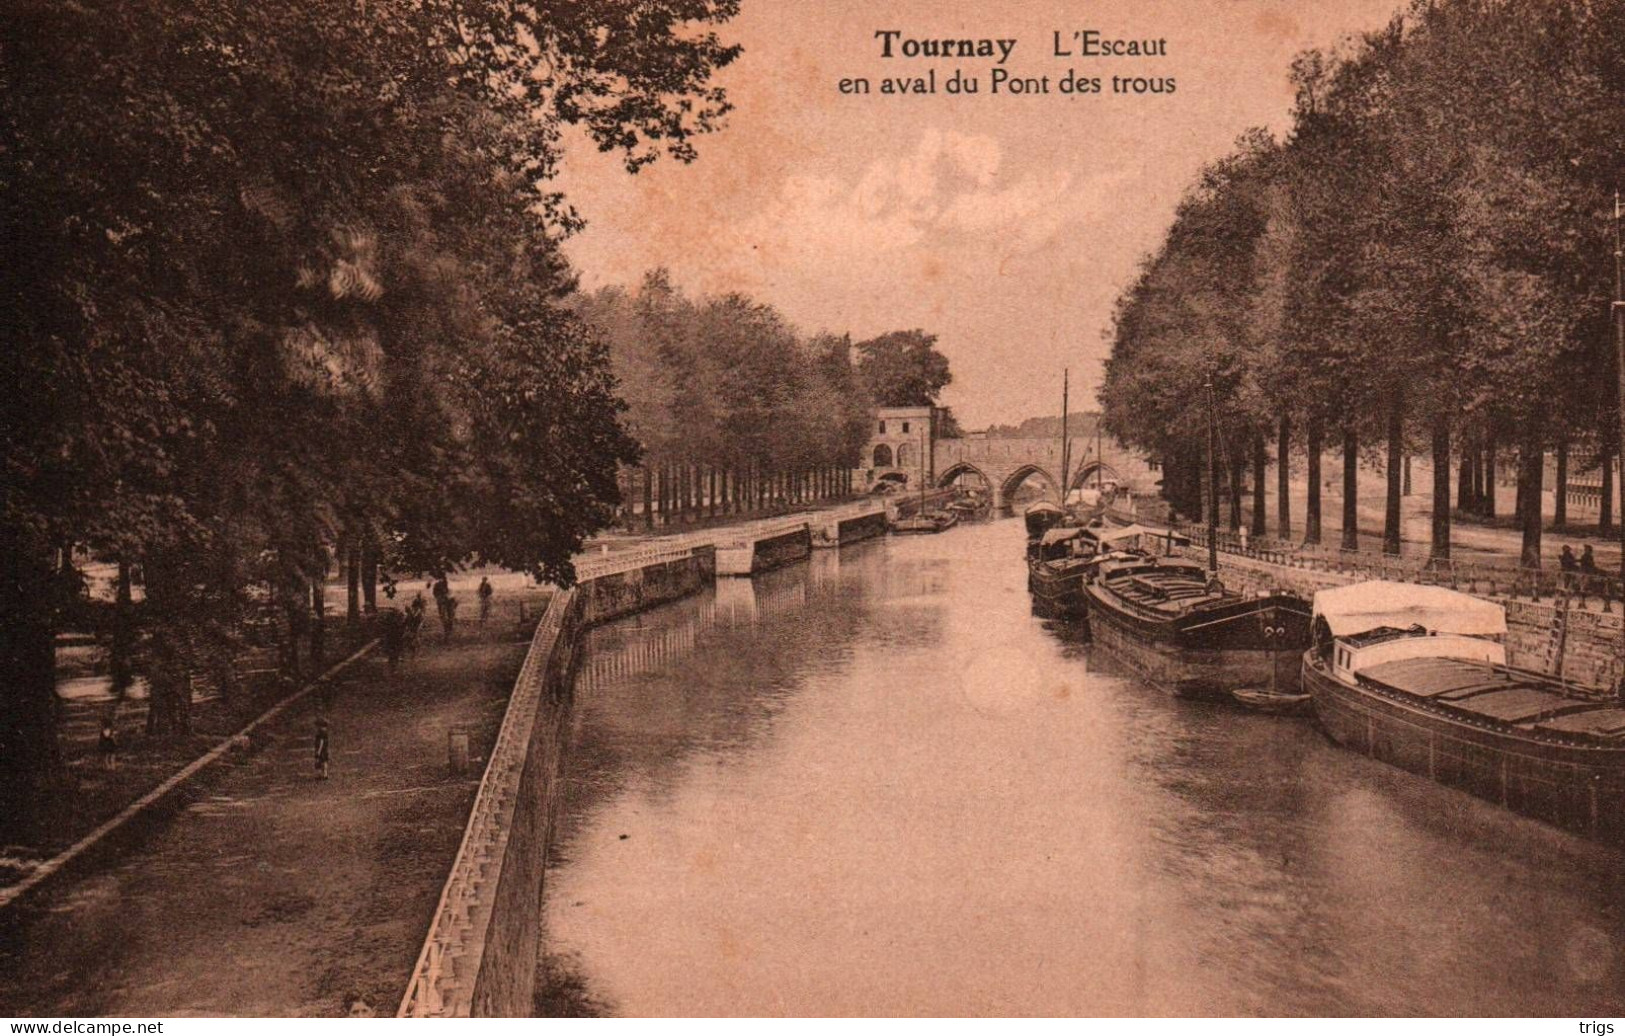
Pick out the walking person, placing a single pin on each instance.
(486, 594)
(107, 745)
(323, 747)
(414, 625)
(394, 624)
(1588, 561)
(445, 605)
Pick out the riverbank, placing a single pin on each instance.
(261, 890)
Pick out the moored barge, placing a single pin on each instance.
(1413, 676)
(1067, 557)
(1179, 627)
(926, 522)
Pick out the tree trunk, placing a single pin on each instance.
(1440, 549)
(1391, 533)
(167, 655)
(1234, 470)
(1351, 490)
(1488, 502)
(1464, 482)
(1261, 526)
(1531, 472)
(1475, 501)
(648, 498)
(169, 698)
(1406, 491)
(29, 756)
(318, 623)
(369, 577)
(1314, 447)
(1560, 513)
(121, 652)
(352, 572)
(1283, 480)
(1605, 511)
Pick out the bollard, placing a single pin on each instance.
(458, 740)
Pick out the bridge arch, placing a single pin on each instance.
(1013, 481)
(1086, 475)
(962, 468)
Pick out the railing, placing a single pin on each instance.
(1474, 577)
(597, 566)
(442, 983)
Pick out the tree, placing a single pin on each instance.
(294, 281)
(903, 368)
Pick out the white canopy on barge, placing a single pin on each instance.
(1352, 610)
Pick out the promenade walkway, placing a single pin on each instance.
(1470, 540)
(262, 890)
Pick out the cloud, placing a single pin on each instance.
(949, 192)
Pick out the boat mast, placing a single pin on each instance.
(1066, 444)
(1619, 367)
(1212, 482)
(1100, 458)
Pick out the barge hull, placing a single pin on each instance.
(1575, 787)
(1191, 672)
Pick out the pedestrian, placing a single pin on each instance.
(442, 594)
(1588, 561)
(413, 625)
(394, 629)
(1567, 559)
(107, 745)
(324, 747)
(486, 594)
(448, 614)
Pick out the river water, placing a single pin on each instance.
(875, 784)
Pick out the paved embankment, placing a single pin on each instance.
(260, 890)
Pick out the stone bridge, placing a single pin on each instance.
(904, 447)
(1004, 464)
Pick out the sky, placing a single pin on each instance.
(1005, 224)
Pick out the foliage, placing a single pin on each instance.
(293, 283)
(1428, 240)
(726, 383)
(903, 368)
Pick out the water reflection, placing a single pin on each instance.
(875, 784)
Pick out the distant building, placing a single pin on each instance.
(900, 445)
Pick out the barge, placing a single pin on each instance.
(1415, 676)
(1179, 627)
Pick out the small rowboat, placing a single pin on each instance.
(1276, 702)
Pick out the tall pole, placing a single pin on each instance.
(1212, 487)
(1619, 369)
(1066, 444)
(1100, 458)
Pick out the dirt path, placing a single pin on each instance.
(268, 892)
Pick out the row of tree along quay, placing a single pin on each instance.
(736, 410)
(1421, 264)
(287, 289)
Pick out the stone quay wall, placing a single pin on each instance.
(480, 955)
(611, 596)
(785, 549)
(1577, 640)
(861, 528)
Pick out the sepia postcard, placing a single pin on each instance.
(788, 509)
